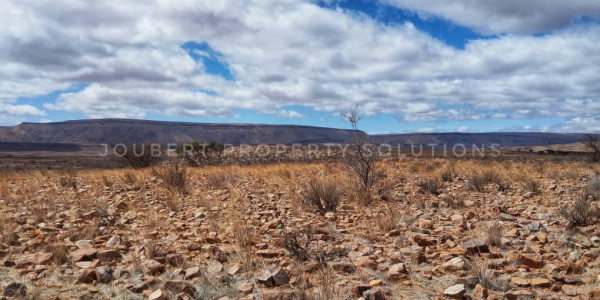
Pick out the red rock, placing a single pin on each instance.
(33, 259)
(84, 254)
(532, 260)
(423, 240)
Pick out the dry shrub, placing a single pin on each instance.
(593, 188)
(60, 253)
(83, 232)
(174, 176)
(493, 233)
(389, 221)
(325, 196)
(129, 178)
(531, 185)
(68, 181)
(477, 183)
(453, 201)
(503, 185)
(220, 180)
(448, 174)
(298, 244)
(430, 186)
(173, 203)
(485, 276)
(582, 213)
(8, 230)
(244, 235)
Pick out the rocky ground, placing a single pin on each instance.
(244, 232)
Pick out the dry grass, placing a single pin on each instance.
(484, 275)
(174, 177)
(531, 185)
(493, 233)
(324, 196)
(430, 186)
(582, 213)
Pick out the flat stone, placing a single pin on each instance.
(33, 259)
(192, 272)
(214, 268)
(475, 246)
(456, 291)
(245, 288)
(84, 254)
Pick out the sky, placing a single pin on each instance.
(406, 65)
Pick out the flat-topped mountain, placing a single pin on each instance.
(115, 131)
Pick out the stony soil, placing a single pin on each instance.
(123, 234)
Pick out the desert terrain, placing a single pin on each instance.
(430, 228)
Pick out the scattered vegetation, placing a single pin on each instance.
(430, 186)
(200, 153)
(582, 213)
(324, 196)
(174, 176)
(484, 275)
(592, 142)
(493, 233)
(142, 156)
(531, 185)
(361, 157)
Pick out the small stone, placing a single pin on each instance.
(180, 287)
(15, 289)
(84, 254)
(480, 292)
(157, 295)
(270, 253)
(366, 262)
(280, 277)
(87, 276)
(33, 259)
(104, 274)
(397, 272)
(359, 289)
(373, 294)
(455, 264)
(214, 268)
(540, 282)
(109, 255)
(475, 246)
(423, 240)
(265, 278)
(245, 288)
(515, 294)
(113, 242)
(153, 267)
(532, 260)
(456, 291)
(192, 272)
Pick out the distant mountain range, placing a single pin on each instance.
(114, 131)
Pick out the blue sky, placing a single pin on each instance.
(429, 66)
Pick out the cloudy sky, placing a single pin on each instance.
(426, 65)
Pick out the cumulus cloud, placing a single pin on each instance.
(20, 110)
(507, 16)
(462, 128)
(293, 53)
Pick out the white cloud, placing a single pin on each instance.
(506, 16)
(426, 130)
(462, 128)
(284, 53)
(20, 110)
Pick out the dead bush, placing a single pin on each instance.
(503, 185)
(582, 213)
(485, 276)
(325, 196)
(174, 176)
(448, 175)
(142, 156)
(593, 188)
(531, 185)
(430, 186)
(493, 233)
(477, 182)
(60, 253)
(453, 201)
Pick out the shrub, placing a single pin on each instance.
(142, 156)
(174, 176)
(452, 201)
(485, 276)
(361, 156)
(447, 175)
(200, 153)
(503, 185)
(431, 186)
(477, 182)
(593, 188)
(531, 185)
(494, 232)
(323, 195)
(581, 213)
